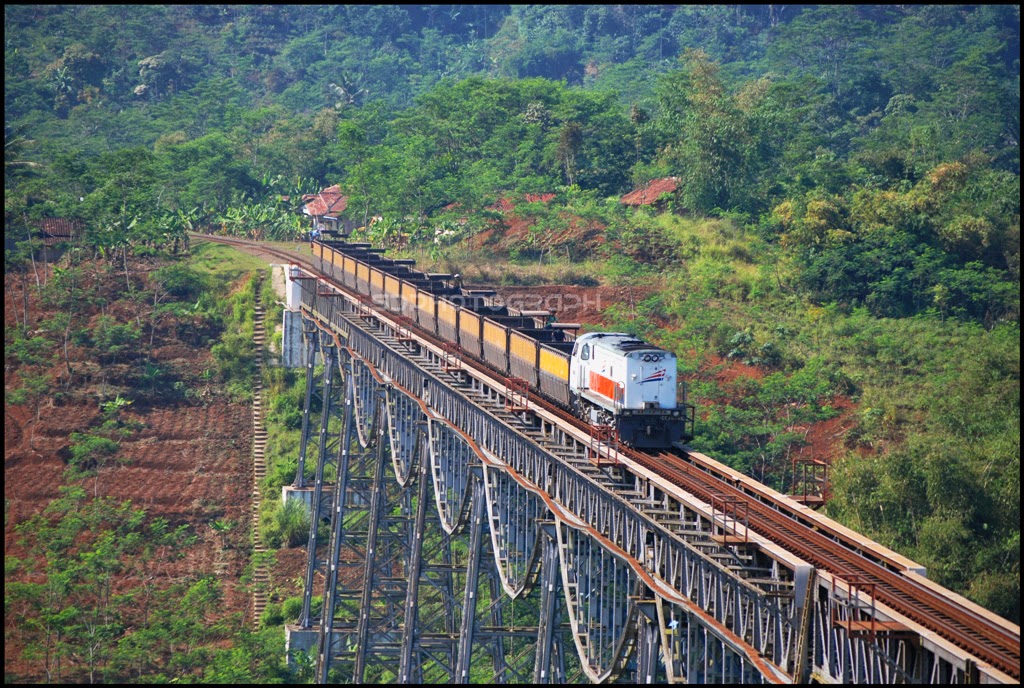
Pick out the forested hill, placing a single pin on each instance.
(844, 219)
(820, 125)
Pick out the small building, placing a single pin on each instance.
(55, 233)
(651, 193)
(325, 209)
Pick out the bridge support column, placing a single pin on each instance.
(469, 601)
(324, 650)
(372, 555)
(647, 643)
(377, 498)
(304, 495)
(298, 639)
(294, 353)
(407, 673)
(550, 587)
(803, 593)
(312, 342)
(331, 384)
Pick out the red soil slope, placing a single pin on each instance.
(190, 463)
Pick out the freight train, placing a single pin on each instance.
(606, 378)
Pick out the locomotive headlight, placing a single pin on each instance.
(647, 358)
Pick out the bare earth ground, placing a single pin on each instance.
(585, 305)
(191, 464)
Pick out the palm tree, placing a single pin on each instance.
(15, 218)
(14, 150)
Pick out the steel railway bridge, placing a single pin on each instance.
(468, 532)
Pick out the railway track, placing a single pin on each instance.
(968, 630)
(778, 522)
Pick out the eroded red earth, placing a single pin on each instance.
(190, 462)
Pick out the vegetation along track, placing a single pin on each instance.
(777, 522)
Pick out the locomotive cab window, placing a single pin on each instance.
(585, 354)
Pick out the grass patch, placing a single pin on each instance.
(222, 261)
(718, 239)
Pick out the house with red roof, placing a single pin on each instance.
(651, 192)
(59, 230)
(55, 233)
(325, 209)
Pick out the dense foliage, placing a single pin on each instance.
(847, 218)
(878, 145)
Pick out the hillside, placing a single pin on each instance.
(833, 249)
(917, 417)
(127, 475)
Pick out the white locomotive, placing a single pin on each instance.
(616, 379)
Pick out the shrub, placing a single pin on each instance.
(89, 451)
(270, 531)
(293, 522)
(285, 525)
(291, 609)
(271, 616)
(31, 351)
(112, 338)
(286, 409)
(622, 270)
(281, 473)
(234, 357)
(180, 281)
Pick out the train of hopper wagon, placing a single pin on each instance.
(605, 378)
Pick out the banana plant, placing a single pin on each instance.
(233, 222)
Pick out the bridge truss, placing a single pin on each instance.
(460, 539)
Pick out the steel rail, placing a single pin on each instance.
(779, 523)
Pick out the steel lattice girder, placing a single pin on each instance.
(869, 658)
(332, 385)
(451, 461)
(404, 422)
(310, 334)
(515, 516)
(600, 590)
(406, 625)
(771, 628)
(678, 565)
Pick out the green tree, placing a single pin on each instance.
(707, 151)
(90, 454)
(835, 45)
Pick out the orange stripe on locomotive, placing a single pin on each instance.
(602, 385)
